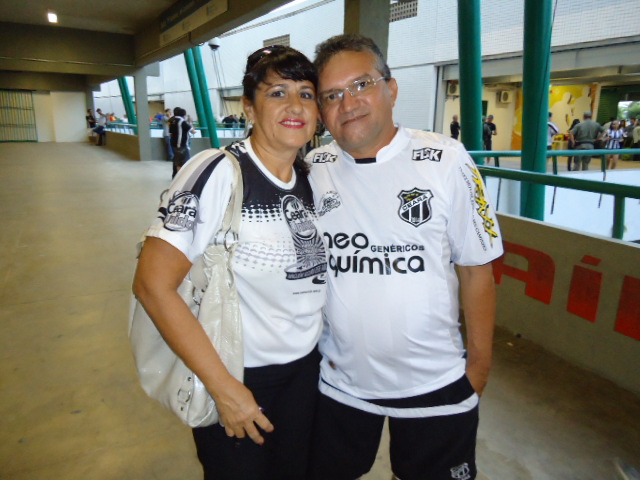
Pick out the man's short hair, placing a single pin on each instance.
(179, 112)
(587, 114)
(550, 114)
(349, 42)
(490, 117)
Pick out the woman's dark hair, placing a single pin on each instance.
(285, 62)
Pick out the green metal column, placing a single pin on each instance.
(195, 89)
(206, 101)
(538, 21)
(469, 52)
(128, 102)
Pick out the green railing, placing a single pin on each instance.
(619, 191)
(129, 128)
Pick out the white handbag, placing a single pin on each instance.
(210, 292)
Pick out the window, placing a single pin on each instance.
(283, 40)
(403, 9)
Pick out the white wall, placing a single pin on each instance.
(44, 116)
(60, 116)
(69, 111)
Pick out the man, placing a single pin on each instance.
(455, 127)
(492, 130)
(165, 133)
(179, 130)
(583, 136)
(100, 129)
(399, 208)
(552, 131)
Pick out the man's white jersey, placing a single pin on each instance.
(394, 229)
(279, 263)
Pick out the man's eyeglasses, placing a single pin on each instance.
(358, 87)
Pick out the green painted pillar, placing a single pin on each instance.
(206, 101)
(469, 52)
(535, 86)
(128, 102)
(195, 89)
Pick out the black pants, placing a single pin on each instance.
(288, 394)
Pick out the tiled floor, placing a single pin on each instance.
(70, 404)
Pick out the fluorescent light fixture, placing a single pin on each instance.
(53, 18)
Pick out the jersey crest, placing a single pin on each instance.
(415, 206)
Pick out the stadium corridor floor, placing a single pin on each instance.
(70, 404)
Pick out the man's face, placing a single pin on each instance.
(361, 124)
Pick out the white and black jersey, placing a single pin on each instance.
(395, 226)
(279, 263)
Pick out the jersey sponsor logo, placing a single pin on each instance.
(182, 212)
(328, 202)
(427, 153)
(310, 254)
(482, 205)
(415, 206)
(324, 157)
(384, 259)
(461, 472)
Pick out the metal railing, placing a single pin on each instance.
(619, 191)
(130, 129)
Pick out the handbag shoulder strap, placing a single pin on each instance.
(229, 230)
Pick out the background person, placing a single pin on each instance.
(613, 141)
(166, 135)
(454, 128)
(584, 135)
(391, 345)
(279, 267)
(179, 129)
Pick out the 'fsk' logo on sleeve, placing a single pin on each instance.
(426, 154)
(324, 157)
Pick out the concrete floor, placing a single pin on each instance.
(70, 404)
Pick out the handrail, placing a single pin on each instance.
(618, 190)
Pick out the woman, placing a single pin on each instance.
(279, 266)
(613, 140)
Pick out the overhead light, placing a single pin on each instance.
(53, 18)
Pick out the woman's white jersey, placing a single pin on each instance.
(394, 229)
(279, 263)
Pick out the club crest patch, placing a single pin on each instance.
(328, 202)
(182, 212)
(461, 472)
(415, 206)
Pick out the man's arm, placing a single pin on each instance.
(479, 304)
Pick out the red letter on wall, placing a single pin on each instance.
(538, 278)
(628, 320)
(584, 292)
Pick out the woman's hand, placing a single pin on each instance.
(239, 412)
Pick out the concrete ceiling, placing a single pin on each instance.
(95, 41)
(113, 16)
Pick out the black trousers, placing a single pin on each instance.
(288, 394)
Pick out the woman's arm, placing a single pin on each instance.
(161, 269)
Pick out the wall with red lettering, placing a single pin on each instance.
(577, 295)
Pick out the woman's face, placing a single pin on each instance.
(284, 113)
